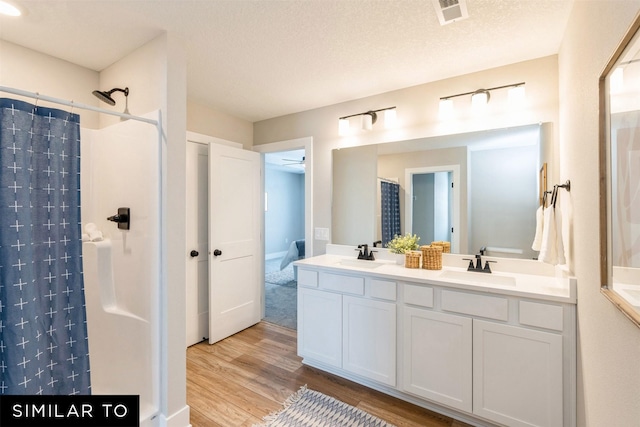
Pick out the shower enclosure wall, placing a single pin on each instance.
(121, 168)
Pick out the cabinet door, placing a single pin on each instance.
(437, 351)
(320, 326)
(517, 375)
(369, 339)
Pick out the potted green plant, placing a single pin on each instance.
(402, 244)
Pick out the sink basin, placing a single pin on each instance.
(360, 263)
(631, 293)
(478, 278)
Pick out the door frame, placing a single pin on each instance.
(305, 143)
(408, 199)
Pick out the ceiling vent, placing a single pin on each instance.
(449, 11)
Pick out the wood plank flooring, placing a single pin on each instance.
(239, 380)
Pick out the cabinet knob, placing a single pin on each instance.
(217, 252)
(194, 253)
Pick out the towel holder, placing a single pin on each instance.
(554, 196)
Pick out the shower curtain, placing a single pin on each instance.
(43, 331)
(390, 201)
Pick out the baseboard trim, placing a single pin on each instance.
(179, 418)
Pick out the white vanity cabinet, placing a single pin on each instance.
(346, 322)
(498, 357)
(320, 326)
(369, 339)
(517, 375)
(437, 356)
(479, 354)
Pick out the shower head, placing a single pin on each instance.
(105, 96)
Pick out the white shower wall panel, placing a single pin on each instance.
(120, 168)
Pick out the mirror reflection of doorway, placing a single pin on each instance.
(432, 210)
(432, 204)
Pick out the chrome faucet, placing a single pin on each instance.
(478, 267)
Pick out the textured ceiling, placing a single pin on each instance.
(265, 58)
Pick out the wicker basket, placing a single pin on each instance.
(446, 246)
(431, 257)
(412, 259)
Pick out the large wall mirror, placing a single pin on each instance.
(620, 173)
(478, 190)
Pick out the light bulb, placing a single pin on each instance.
(446, 108)
(390, 118)
(367, 122)
(343, 126)
(9, 9)
(516, 96)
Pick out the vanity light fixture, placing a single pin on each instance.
(9, 9)
(479, 98)
(369, 118)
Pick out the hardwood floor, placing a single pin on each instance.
(239, 380)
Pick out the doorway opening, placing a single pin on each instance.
(284, 233)
(432, 204)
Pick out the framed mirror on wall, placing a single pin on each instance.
(620, 176)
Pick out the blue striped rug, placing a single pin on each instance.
(309, 408)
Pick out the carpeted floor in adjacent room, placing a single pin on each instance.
(281, 294)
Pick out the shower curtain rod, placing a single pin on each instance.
(388, 180)
(72, 104)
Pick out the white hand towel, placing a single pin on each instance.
(95, 235)
(548, 251)
(552, 246)
(537, 240)
(559, 242)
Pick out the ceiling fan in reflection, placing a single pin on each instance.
(291, 162)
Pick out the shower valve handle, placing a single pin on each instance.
(122, 218)
(118, 218)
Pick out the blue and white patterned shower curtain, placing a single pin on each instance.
(390, 201)
(43, 330)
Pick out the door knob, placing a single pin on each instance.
(194, 253)
(217, 252)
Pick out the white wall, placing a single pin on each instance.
(608, 343)
(210, 122)
(354, 196)
(284, 215)
(417, 109)
(156, 76)
(31, 71)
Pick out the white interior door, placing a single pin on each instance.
(197, 242)
(235, 204)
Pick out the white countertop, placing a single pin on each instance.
(539, 286)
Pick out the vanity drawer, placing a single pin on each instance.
(418, 295)
(307, 278)
(476, 305)
(382, 289)
(546, 316)
(341, 283)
